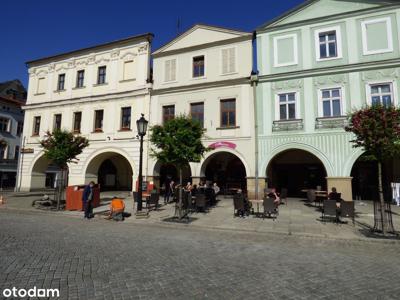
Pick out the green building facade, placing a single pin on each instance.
(317, 63)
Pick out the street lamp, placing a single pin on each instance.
(141, 128)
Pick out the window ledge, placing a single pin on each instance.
(329, 58)
(127, 80)
(125, 130)
(38, 94)
(79, 87)
(35, 135)
(98, 131)
(228, 127)
(199, 78)
(331, 122)
(59, 91)
(76, 132)
(230, 73)
(100, 84)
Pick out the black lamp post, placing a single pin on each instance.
(141, 128)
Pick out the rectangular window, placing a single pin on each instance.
(61, 82)
(331, 102)
(20, 128)
(168, 113)
(3, 151)
(98, 120)
(16, 152)
(101, 75)
(80, 78)
(198, 66)
(228, 60)
(170, 70)
(287, 106)
(125, 118)
(36, 126)
(129, 71)
(197, 112)
(4, 125)
(228, 113)
(77, 121)
(57, 122)
(382, 94)
(328, 45)
(41, 85)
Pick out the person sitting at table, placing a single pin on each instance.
(194, 190)
(334, 195)
(273, 194)
(117, 207)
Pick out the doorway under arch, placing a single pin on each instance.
(226, 169)
(166, 172)
(44, 174)
(111, 170)
(296, 170)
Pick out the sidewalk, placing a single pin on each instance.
(295, 218)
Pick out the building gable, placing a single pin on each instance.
(200, 35)
(322, 8)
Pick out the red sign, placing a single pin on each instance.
(222, 144)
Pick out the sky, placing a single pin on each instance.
(32, 29)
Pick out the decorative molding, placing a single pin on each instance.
(143, 49)
(381, 74)
(339, 79)
(287, 125)
(287, 85)
(129, 53)
(114, 53)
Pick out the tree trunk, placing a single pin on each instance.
(382, 200)
(180, 192)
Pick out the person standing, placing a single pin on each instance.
(87, 199)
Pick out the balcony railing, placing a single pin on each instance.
(8, 162)
(287, 125)
(331, 122)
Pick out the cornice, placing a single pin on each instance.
(203, 46)
(366, 66)
(192, 87)
(90, 99)
(326, 18)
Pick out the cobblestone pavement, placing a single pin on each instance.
(100, 259)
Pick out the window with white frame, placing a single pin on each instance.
(285, 50)
(287, 106)
(331, 102)
(377, 36)
(328, 43)
(381, 94)
(5, 124)
(170, 70)
(228, 60)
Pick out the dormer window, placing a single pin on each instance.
(198, 66)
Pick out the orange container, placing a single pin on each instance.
(74, 197)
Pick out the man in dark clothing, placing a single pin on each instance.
(87, 199)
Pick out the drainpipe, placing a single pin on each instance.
(254, 82)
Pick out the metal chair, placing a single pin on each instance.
(270, 208)
(347, 210)
(330, 210)
(238, 205)
(152, 200)
(201, 203)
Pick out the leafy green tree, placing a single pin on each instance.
(178, 142)
(377, 132)
(62, 147)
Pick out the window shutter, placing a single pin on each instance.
(232, 60)
(224, 61)
(173, 70)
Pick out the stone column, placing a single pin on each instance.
(343, 186)
(196, 180)
(251, 187)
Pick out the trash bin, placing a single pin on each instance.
(74, 197)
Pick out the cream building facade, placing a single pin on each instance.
(97, 92)
(205, 72)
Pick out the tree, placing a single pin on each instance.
(62, 147)
(178, 142)
(377, 132)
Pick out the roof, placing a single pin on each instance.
(308, 3)
(149, 36)
(204, 26)
(12, 101)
